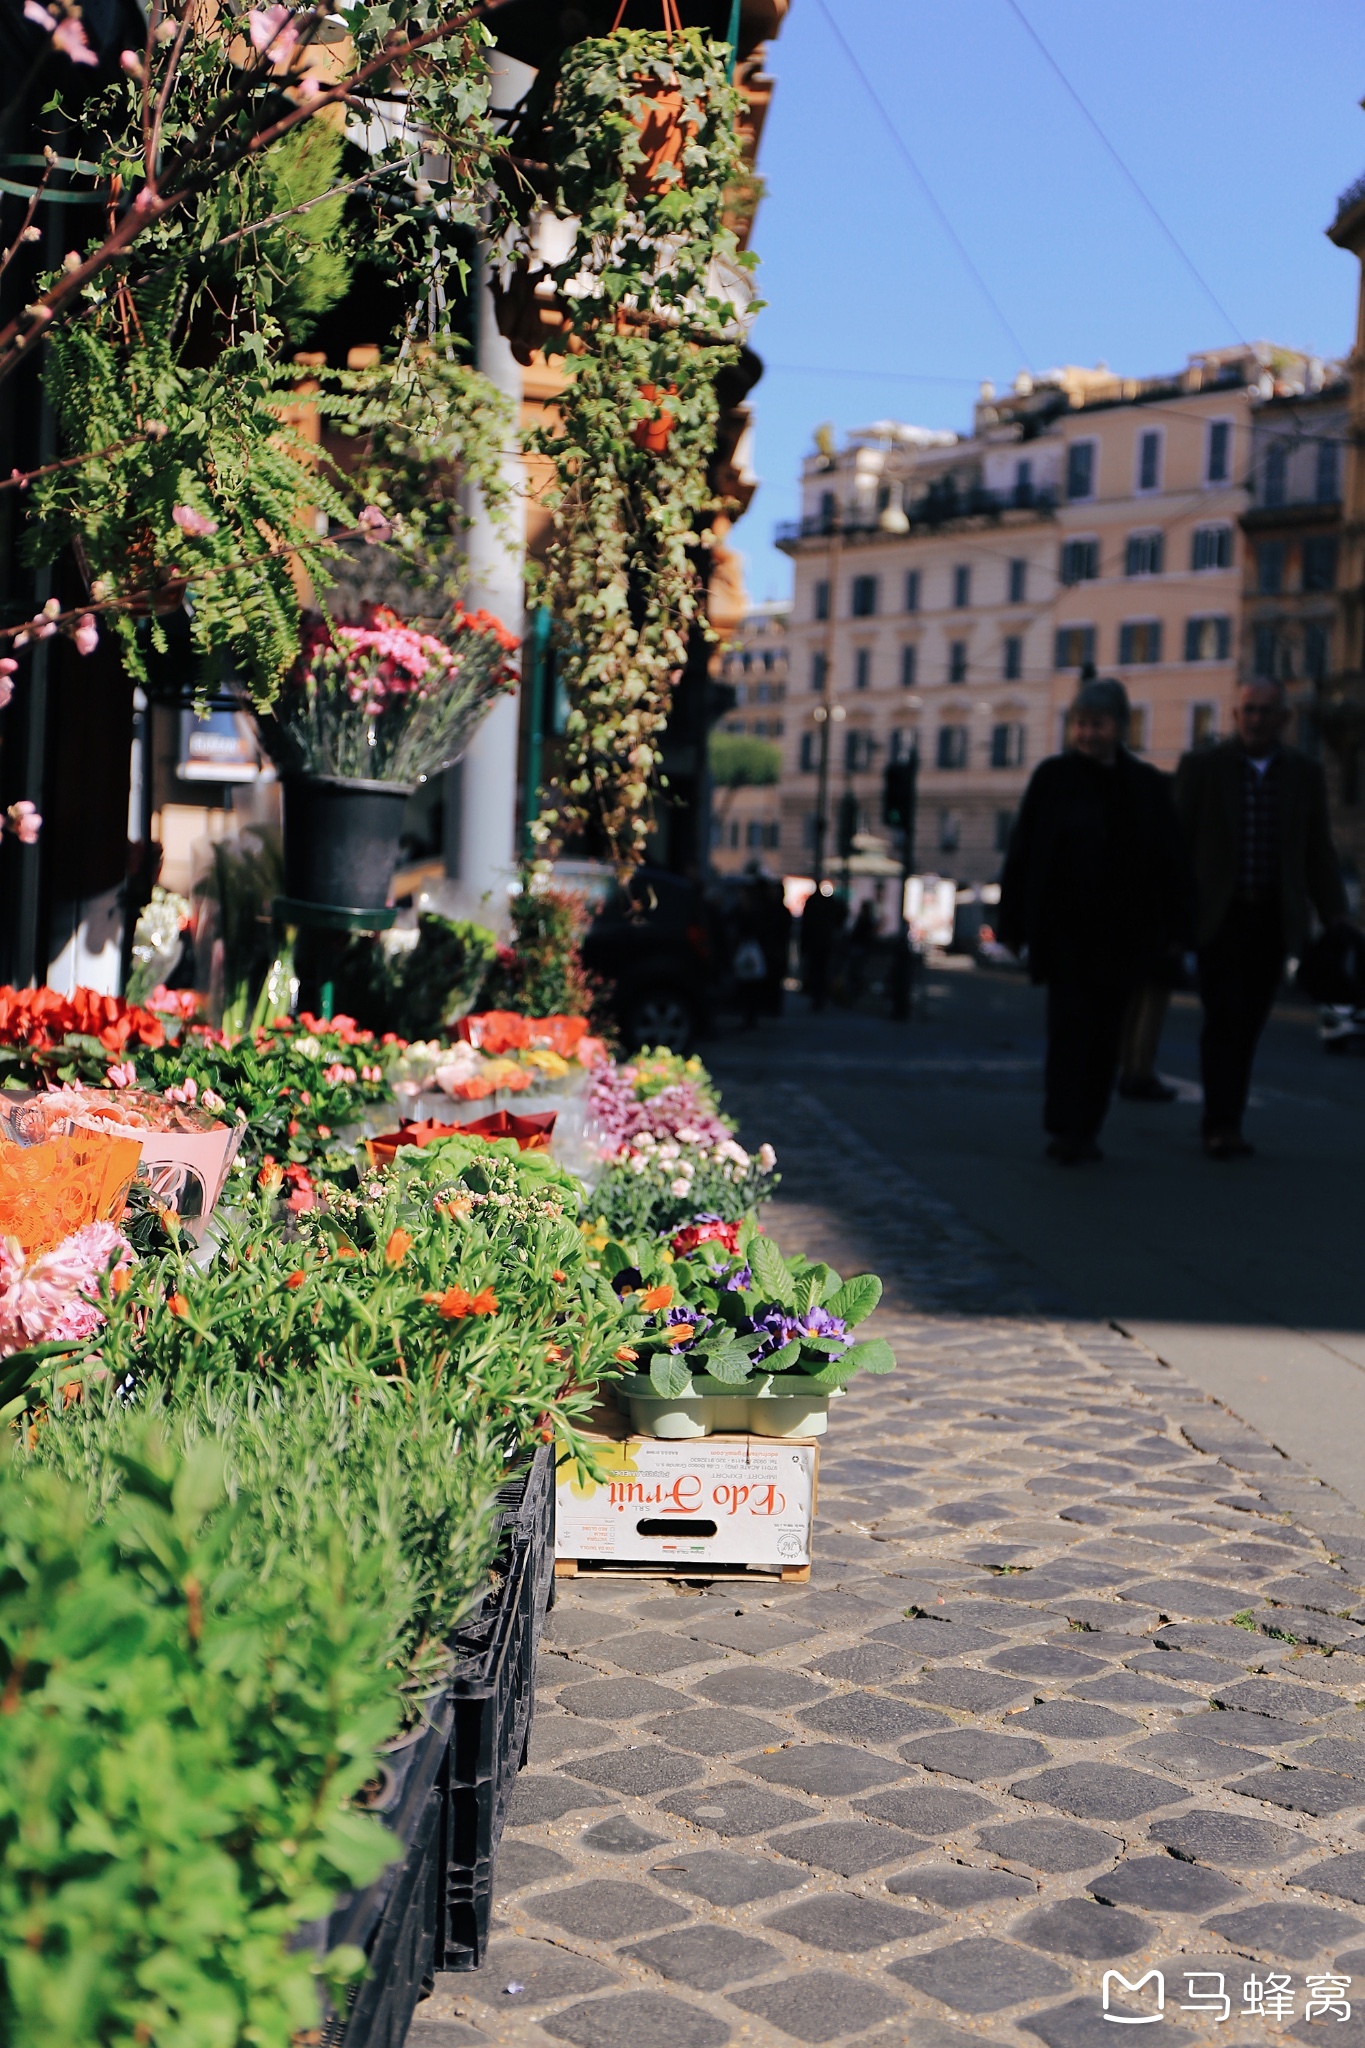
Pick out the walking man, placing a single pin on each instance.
(1095, 888)
(1254, 815)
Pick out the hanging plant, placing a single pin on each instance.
(632, 242)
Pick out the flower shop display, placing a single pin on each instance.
(185, 1149)
(667, 1151)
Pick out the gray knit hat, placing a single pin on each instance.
(1107, 698)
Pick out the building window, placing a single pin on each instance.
(957, 661)
(1143, 555)
(1328, 479)
(810, 828)
(1014, 658)
(1211, 547)
(1075, 646)
(1269, 654)
(1320, 561)
(1149, 460)
(912, 590)
(949, 831)
(904, 742)
(1004, 825)
(1080, 470)
(1208, 639)
(1203, 724)
(909, 664)
(1136, 741)
(1140, 641)
(828, 511)
(1007, 746)
(1276, 473)
(819, 670)
(1316, 645)
(1023, 483)
(962, 585)
(1218, 465)
(760, 832)
(862, 668)
(1270, 568)
(1080, 561)
(952, 746)
(859, 748)
(1018, 581)
(810, 753)
(864, 596)
(821, 599)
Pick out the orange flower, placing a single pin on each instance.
(324, 1131)
(454, 1302)
(178, 1305)
(555, 1354)
(397, 1248)
(293, 1127)
(119, 1279)
(626, 1355)
(680, 1333)
(557, 1275)
(485, 1303)
(657, 1297)
(296, 1278)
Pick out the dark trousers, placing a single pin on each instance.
(1084, 1024)
(1239, 973)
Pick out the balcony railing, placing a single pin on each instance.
(1352, 196)
(936, 508)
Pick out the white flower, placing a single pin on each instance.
(679, 1187)
(767, 1159)
(309, 1046)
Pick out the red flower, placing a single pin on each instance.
(177, 1305)
(710, 1232)
(296, 1278)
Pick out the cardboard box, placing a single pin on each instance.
(734, 1502)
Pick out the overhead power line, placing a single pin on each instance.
(903, 150)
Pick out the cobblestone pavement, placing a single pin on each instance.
(1073, 1688)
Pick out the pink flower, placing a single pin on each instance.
(25, 821)
(52, 1296)
(87, 634)
(336, 1073)
(33, 12)
(6, 690)
(374, 526)
(308, 87)
(122, 1076)
(187, 1091)
(69, 38)
(190, 521)
(271, 29)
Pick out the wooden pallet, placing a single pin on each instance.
(787, 1575)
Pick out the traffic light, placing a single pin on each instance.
(898, 793)
(847, 824)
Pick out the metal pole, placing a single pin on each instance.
(903, 966)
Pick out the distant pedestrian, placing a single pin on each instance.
(1254, 815)
(1095, 889)
(822, 922)
(1139, 1041)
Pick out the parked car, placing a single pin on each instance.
(655, 942)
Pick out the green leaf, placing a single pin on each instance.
(730, 1364)
(856, 1298)
(671, 1376)
(770, 1271)
(837, 1373)
(874, 1354)
(783, 1360)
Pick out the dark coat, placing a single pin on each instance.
(1095, 882)
(1209, 794)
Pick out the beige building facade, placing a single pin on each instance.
(746, 822)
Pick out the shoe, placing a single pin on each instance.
(1227, 1145)
(1074, 1151)
(1147, 1088)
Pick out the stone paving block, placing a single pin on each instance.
(1333, 1753)
(828, 1770)
(1134, 1689)
(1127, 1619)
(1186, 1667)
(570, 1628)
(644, 1652)
(929, 1637)
(982, 1974)
(1342, 1877)
(970, 1691)
(917, 2032)
(651, 1768)
(850, 1926)
(425, 2033)
(737, 1808)
(846, 1846)
(620, 1699)
(1234, 1645)
(1081, 2023)
(1051, 1845)
(541, 1970)
(1095, 1791)
(927, 1810)
(958, 1885)
(1069, 1721)
(523, 1863)
(870, 1717)
(1280, 1698)
(1284, 1930)
(1163, 1884)
(556, 1735)
(752, 1634)
(864, 1664)
(716, 1731)
(706, 1958)
(1084, 1929)
(618, 1835)
(750, 1685)
(634, 2017)
(606, 1910)
(724, 1879)
(1192, 1755)
(974, 1753)
(1044, 1660)
(1236, 1840)
(535, 1800)
(1301, 1791)
(818, 2005)
(1188, 1599)
(837, 1610)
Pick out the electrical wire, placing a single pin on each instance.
(903, 150)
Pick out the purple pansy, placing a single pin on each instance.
(816, 1323)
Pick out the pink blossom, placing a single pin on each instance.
(25, 821)
(271, 29)
(6, 691)
(123, 1075)
(186, 1092)
(131, 62)
(69, 38)
(17, 476)
(52, 1296)
(336, 1073)
(33, 12)
(309, 87)
(87, 634)
(190, 521)
(374, 526)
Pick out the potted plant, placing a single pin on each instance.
(368, 712)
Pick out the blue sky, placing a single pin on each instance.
(1240, 121)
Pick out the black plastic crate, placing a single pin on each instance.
(493, 1700)
(397, 1919)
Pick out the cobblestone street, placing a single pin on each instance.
(1073, 1688)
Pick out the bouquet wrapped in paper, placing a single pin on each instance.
(176, 1143)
